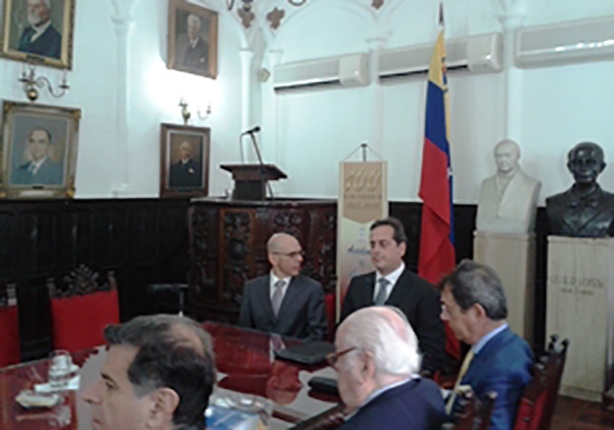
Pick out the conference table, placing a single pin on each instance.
(247, 370)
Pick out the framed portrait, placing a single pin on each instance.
(184, 160)
(39, 31)
(192, 39)
(39, 150)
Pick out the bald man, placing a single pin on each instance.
(284, 301)
(186, 173)
(508, 200)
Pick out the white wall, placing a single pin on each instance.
(560, 105)
(308, 133)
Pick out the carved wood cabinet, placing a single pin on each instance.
(228, 247)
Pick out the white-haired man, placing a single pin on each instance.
(192, 50)
(377, 361)
(40, 37)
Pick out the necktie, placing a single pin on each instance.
(278, 296)
(461, 374)
(381, 297)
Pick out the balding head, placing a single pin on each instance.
(285, 255)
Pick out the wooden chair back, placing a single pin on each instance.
(539, 397)
(9, 326)
(472, 414)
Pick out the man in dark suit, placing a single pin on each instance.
(186, 173)
(284, 301)
(474, 304)
(377, 360)
(40, 170)
(584, 210)
(40, 37)
(393, 284)
(192, 51)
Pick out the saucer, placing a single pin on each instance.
(30, 399)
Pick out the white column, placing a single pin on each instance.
(123, 26)
(512, 19)
(376, 44)
(270, 109)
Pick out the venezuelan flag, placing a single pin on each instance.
(437, 255)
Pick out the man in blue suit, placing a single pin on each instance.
(377, 361)
(40, 37)
(41, 169)
(284, 301)
(474, 305)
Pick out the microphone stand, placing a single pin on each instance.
(255, 144)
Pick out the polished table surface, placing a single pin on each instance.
(245, 365)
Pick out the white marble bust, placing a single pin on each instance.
(508, 199)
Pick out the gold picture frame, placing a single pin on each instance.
(184, 160)
(192, 39)
(25, 38)
(39, 151)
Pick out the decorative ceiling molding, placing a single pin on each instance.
(275, 16)
(247, 16)
(377, 4)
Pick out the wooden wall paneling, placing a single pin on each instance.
(109, 237)
(8, 253)
(76, 236)
(36, 242)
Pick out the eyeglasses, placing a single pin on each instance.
(293, 254)
(333, 357)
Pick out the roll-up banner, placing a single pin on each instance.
(363, 198)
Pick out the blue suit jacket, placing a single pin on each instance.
(48, 44)
(503, 365)
(49, 173)
(415, 405)
(301, 313)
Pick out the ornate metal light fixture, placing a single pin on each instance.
(246, 5)
(31, 82)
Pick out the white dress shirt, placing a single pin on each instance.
(39, 30)
(392, 280)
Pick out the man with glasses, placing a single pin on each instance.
(474, 304)
(284, 301)
(377, 359)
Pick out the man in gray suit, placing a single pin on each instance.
(284, 301)
(41, 169)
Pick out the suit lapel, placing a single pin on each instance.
(366, 290)
(292, 293)
(401, 291)
(265, 297)
(478, 364)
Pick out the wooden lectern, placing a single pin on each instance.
(251, 179)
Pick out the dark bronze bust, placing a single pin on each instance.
(584, 210)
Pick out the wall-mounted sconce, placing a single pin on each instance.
(30, 82)
(186, 114)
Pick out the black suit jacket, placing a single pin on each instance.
(301, 314)
(419, 301)
(414, 405)
(185, 175)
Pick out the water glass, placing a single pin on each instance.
(60, 370)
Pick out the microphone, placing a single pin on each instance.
(251, 130)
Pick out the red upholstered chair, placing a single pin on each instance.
(81, 309)
(9, 327)
(471, 413)
(539, 397)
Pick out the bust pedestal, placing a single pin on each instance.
(512, 256)
(580, 292)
